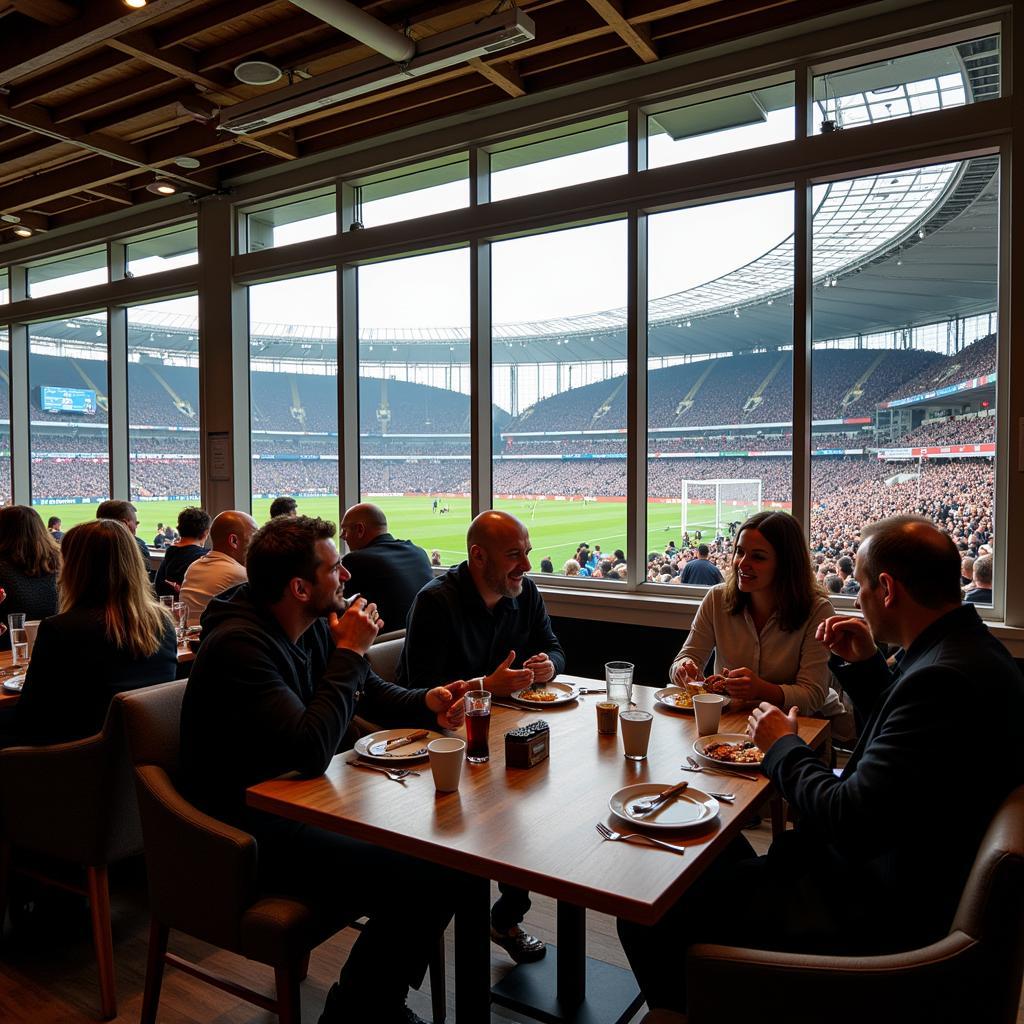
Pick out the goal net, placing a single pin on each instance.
(711, 505)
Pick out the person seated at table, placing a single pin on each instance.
(861, 874)
(53, 528)
(111, 635)
(193, 529)
(279, 676)
(29, 563)
(485, 617)
(220, 568)
(761, 624)
(981, 592)
(125, 512)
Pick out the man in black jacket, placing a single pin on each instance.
(274, 687)
(388, 572)
(481, 619)
(877, 864)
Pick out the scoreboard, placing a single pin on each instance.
(53, 399)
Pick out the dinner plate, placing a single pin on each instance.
(691, 809)
(408, 753)
(566, 692)
(665, 699)
(701, 744)
(13, 684)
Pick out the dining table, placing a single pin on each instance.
(536, 828)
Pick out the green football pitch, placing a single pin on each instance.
(556, 527)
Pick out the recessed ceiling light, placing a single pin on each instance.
(257, 72)
(135, 5)
(23, 232)
(162, 187)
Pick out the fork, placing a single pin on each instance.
(396, 774)
(693, 766)
(607, 833)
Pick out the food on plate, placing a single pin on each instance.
(734, 753)
(540, 696)
(685, 700)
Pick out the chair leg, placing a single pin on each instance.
(99, 909)
(303, 968)
(779, 812)
(6, 854)
(289, 1006)
(438, 1001)
(154, 971)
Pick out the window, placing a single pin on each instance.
(5, 419)
(904, 417)
(559, 157)
(163, 250)
(68, 404)
(294, 394)
(65, 273)
(720, 378)
(5, 293)
(163, 409)
(949, 76)
(433, 186)
(680, 132)
(558, 347)
(414, 426)
(285, 221)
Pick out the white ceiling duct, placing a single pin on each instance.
(359, 25)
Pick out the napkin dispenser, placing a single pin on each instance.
(528, 745)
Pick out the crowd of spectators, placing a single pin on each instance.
(971, 361)
(981, 430)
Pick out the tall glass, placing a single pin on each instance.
(618, 676)
(478, 726)
(179, 611)
(19, 638)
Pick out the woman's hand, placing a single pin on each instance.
(686, 671)
(746, 686)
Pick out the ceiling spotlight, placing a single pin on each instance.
(135, 5)
(920, 233)
(23, 232)
(689, 323)
(771, 302)
(162, 187)
(257, 71)
(198, 108)
(736, 313)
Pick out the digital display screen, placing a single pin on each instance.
(53, 399)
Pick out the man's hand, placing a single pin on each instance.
(767, 723)
(687, 671)
(357, 628)
(542, 666)
(505, 679)
(849, 639)
(446, 702)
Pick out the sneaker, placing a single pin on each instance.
(523, 947)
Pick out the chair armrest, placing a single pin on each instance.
(806, 989)
(202, 872)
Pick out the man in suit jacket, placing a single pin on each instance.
(388, 572)
(881, 854)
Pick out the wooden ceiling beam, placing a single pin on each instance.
(70, 74)
(243, 46)
(35, 221)
(87, 212)
(144, 108)
(24, 53)
(502, 74)
(279, 144)
(174, 60)
(636, 37)
(49, 12)
(210, 16)
(93, 103)
(113, 191)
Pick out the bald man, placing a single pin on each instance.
(387, 572)
(485, 618)
(222, 567)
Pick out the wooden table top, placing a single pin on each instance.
(535, 827)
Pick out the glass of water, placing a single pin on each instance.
(179, 611)
(19, 638)
(618, 677)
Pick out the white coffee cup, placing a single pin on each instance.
(636, 733)
(31, 628)
(707, 709)
(446, 757)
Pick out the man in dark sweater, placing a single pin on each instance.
(699, 571)
(873, 866)
(388, 572)
(485, 618)
(278, 678)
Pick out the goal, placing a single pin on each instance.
(711, 505)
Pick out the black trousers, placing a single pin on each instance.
(510, 908)
(409, 902)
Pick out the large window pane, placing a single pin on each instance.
(5, 293)
(65, 273)
(720, 377)
(5, 420)
(163, 409)
(163, 250)
(559, 350)
(293, 353)
(433, 186)
(67, 372)
(904, 358)
(286, 221)
(679, 132)
(918, 83)
(414, 398)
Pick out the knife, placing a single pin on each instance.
(383, 746)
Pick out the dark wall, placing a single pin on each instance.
(589, 644)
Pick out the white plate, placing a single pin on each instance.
(664, 698)
(699, 746)
(405, 754)
(566, 692)
(691, 809)
(13, 684)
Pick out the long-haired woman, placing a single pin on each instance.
(111, 634)
(29, 563)
(761, 622)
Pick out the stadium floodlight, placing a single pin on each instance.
(481, 38)
(717, 503)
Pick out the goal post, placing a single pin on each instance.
(711, 505)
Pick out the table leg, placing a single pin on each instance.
(473, 952)
(572, 954)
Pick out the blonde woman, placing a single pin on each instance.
(110, 635)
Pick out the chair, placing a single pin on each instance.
(972, 974)
(395, 634)
(383, 658)
(73, 803)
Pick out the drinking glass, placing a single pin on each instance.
(478, 726)
(618, 677)
(168, 601)
(636, 733)
(19, 638)
(179, 610)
